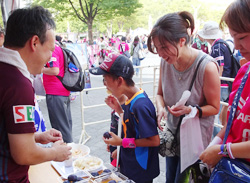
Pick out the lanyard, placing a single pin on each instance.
(235, 105)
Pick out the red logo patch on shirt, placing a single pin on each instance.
(24, 113)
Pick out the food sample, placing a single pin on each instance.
(106, 135)
(113, 178)
(109, 92)
(72, 177)
(79, 150)
(95, 174)
(106, 171)
(88, 163)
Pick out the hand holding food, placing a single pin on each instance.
(62, 151)
(115, 140)
(106, 135)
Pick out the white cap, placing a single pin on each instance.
(210, 30)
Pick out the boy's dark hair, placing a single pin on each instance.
(129, 81)
(25, 23)
(123, 38)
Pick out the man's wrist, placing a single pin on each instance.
(53, 153)
(37, 136)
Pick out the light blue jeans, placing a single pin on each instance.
(136, 62)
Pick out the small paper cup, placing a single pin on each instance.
(68, 162)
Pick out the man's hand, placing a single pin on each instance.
(48, 136)
(25, 151)
(62, 151)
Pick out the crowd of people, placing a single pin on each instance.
(124, 46)
(30, 47)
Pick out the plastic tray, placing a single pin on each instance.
(66, 171)
(101, 174)
(117, 176)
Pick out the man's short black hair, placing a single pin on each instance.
(123, 38)
(25, 23)
(58, 38)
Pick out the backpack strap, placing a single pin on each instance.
(232, 55)
(224, 42)
(231, 41)
(121, 48)
(65, 57)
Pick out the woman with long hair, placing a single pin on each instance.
(136, 46)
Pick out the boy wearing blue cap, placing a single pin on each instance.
(139, 159)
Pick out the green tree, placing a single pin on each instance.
(88, 10)
(202, 11)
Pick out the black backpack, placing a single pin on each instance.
(235, 65)
(72, 81)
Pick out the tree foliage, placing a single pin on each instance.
(88, 10)
(111, 16)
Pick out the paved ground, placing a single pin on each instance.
(95, 97)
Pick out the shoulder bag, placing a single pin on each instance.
(168, 140)
(141, 53)
(232, 170)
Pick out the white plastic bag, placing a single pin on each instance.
(141, 54)
(191, 145)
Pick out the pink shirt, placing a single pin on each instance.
(125, 47)
(105, 53)
(52, 84)
(112, 40)
(240, 130)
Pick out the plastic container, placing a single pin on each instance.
(117, 176)
(79, 150)
(89, 163)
